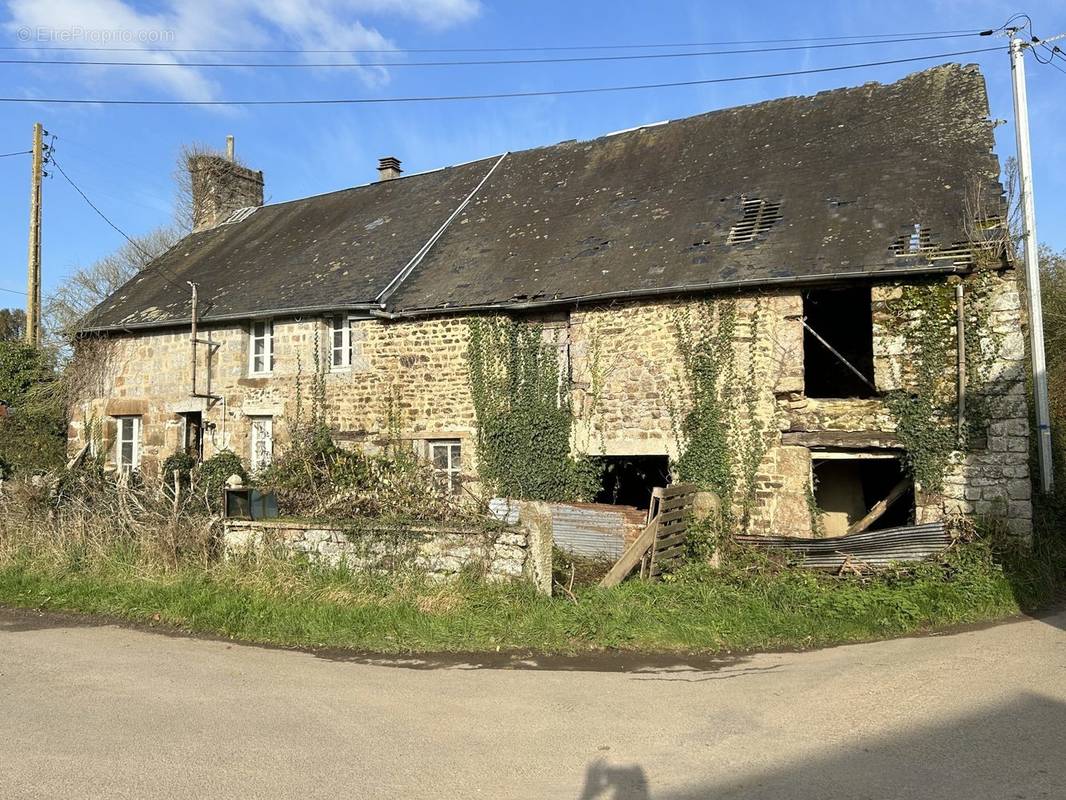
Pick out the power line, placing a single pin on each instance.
(492, 95)
(472, 63)
(150, 258)
(530, 49)
(19, 153)
(13, 291)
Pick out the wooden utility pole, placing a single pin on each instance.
(33, 273)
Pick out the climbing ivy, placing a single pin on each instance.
(924, 315)
(523, 414)
(926, 412)
(720, 437)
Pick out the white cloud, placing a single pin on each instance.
(220, 24)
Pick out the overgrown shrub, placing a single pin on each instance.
(212, 474)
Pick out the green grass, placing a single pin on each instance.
(747, 606)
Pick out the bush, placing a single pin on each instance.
(213, 473)
(182, 462)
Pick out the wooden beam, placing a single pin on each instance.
(632, 555)
(852, 439)
(881, 507)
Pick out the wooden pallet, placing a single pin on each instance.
(662, 542)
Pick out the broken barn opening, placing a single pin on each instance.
(856, 492)
(838, 343)
(628, 480)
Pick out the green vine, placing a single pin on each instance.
(720, 437)
(926, 412)
(523, 414)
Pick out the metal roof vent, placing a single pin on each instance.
(759, 216)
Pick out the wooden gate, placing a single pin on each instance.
(662, 543)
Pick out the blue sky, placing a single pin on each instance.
(124, 157)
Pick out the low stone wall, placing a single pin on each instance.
(512, 552)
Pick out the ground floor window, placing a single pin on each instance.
(262, 442)
(628, 480)
(128, 444)
(849, 488)
(446, 456)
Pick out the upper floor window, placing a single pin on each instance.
(128, 444)
(340, 339)
(261, 351)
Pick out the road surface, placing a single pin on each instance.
(90, 710)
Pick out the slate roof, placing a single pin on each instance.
(642, 212)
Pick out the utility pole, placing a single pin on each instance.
(1032, 263)
(33, 271)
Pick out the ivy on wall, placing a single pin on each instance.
(721, 439)
(523, 414)
(926, 411)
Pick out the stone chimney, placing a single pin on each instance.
(389, 168)
(220, 186)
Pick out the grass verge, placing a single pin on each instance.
(750, 604)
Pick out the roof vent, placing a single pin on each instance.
(759, 216)
(389, 168)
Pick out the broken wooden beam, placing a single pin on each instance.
(880, 507)
(859, 440)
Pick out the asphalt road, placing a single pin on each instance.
(94, 710)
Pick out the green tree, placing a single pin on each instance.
(33, 431)
(12, 324)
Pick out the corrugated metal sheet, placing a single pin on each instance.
(504, 509)
(873, 548)
(589, 530)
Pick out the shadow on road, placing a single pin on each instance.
(1009, 751)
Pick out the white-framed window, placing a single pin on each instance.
(261, 348)
(128, 444)
(446, 456)
(262, 442)
(340, 343)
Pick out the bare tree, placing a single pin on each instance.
(86, 287)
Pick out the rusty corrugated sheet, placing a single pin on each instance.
(589, 530)
(874, 548)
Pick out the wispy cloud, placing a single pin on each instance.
(219, 24)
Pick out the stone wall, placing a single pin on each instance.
(409, 380)
(507, 554)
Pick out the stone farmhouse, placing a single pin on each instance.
(807, 304)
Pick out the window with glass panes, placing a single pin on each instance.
(128, 443)
(261, 351)
(340, 342)
(446, 457)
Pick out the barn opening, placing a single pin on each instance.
(628, 480)
(847, 487)
(838, 343)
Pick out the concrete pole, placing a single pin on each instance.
(33, 269)
(229, 147)
(1032, 264)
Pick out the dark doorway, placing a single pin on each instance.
(844, 319)
(628, 480)
(847, 488)
(194, 434)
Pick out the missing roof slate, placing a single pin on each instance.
(759, 215)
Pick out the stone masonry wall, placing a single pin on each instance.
(409, 379)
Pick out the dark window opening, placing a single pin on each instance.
(628, 480)
(194, 434)
(846, 489)
(838, 320)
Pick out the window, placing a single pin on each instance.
(446, 457)
(838, 343)
(128, 444)
(340, 338)
(262, 442)
(261, 352)
(194, 434)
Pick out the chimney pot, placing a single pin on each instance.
(389, 168)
